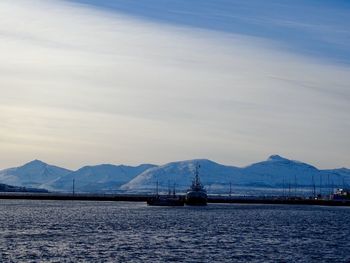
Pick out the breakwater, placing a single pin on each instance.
(145, 197)
(78, 197)
(277, 201)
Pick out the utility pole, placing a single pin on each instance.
(73, 186)
(289, 189)
(329, 186)
(314, 186)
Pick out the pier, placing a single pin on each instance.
(144, 197)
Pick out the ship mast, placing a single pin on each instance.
(157, 193)
(197, 175)
(196, 181)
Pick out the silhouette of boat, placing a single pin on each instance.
(165, 200)
(196, 195)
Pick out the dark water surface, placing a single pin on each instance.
(67, 231)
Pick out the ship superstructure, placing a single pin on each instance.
(196, 195)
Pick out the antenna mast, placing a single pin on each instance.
(73, 186)
(157, 188)
(329, 186)
(314, 186)
(289, 186)
(197, 174)
(283, 186)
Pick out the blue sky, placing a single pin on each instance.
(88, 82)
(318, 28)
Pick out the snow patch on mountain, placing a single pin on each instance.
(274, 172)
(181, 174)
(277, 170)
(104, 177)
(33, 174)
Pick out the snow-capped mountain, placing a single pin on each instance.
(337, 176)
(181, 173)
(104, 177)
(33, 174)
(276, 171)
(273, 173)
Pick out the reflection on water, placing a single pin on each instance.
(65, 231)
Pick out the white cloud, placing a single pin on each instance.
(84, 86)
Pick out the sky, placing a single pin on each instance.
(129, 82)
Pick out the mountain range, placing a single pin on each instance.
(33, 174)
(104, 177)
(275, 172)
(11, 188)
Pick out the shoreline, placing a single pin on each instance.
(145, 197)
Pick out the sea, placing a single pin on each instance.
(75, 231)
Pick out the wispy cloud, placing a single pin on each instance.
(314, 28)
(80, 85)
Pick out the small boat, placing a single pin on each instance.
(196, 195)
(341, 195)
(165, 200)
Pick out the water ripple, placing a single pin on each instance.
(64, 231)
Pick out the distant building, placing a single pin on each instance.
(341, 194)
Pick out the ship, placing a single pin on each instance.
(165, 200)
(196, 195)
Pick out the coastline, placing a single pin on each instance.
(145, 197)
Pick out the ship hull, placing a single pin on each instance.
(196, 198)
(164, 201)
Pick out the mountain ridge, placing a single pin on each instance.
(102, 177)
(32, 174)
(272, 172)
(275, 171)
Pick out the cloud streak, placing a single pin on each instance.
(310, 27)
(80, 85)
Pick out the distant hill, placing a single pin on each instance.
(33, 174)
(277, 169)
(273, 173)
(181, 173)
(11, 188)
(104, 177)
